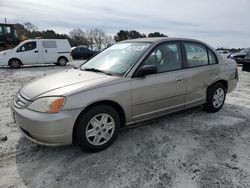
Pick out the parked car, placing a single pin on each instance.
(37, 51)
(239, 57)
(224, 53)
(82, 52)
(129, 82)
(246, 62)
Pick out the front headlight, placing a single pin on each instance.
(48, 104)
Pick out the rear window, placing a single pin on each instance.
(49, 44)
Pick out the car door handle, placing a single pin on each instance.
(179, 79)
(35, 51)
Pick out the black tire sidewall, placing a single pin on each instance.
(58, 62)
(86, 117)
(210, 95)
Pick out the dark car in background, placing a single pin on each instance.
(82, 52)
(240, 56)
(246, 62)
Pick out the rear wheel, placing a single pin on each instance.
(216, 95)
(62, 61)
(15, 63)
(97, 128)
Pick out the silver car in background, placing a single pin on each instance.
(129, 82)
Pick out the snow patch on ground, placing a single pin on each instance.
(186, 149)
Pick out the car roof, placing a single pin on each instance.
(161, 39)
(155, 40)
(44, 40)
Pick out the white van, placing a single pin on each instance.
(37, 51)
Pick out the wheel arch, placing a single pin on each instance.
(62, 56)
(113, 104)
(224, 82)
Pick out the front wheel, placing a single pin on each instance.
(97, 128)
(15, 63)
(216, 95)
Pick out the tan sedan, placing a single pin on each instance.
(129, 82)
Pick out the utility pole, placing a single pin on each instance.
(5, 20)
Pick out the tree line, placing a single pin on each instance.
(94, 38)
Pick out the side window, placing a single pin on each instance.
(84, 50)
(196, 54)
(27, 47)
(49, 44)
(212, 58)
(166, 57)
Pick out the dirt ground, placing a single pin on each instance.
(191, 148)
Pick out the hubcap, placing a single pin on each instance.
(218, 98)
(100, 129)
(15, 64)
(62, 61)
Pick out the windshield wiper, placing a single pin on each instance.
(97, 70)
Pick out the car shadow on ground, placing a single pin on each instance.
(29, 66)
(69, 64)
(152, 153)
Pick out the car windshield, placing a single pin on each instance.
(117, 59)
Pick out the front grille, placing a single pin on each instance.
(20, 101)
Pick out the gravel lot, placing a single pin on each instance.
(191, 148)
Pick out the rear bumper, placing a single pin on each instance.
(46, 129)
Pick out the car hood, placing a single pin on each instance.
(4, 52)
(64, 83)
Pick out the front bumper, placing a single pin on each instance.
(46, 129)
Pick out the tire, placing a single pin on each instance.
(102, 123)
(246, 67)
(15, 63)
(216, 95)
(62, 61)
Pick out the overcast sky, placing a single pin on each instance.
(219, 22)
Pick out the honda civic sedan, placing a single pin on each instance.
(129, 82)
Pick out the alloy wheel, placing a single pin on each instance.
(100, 129)
(218, 97)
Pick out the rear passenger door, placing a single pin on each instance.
(202, 69)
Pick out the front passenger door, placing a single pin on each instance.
(29, 52)
(162, 92)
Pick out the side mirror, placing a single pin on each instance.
(146, 70)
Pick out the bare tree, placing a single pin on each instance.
(79, 36)
(108, 41)
(30, 27)
(90, 38)
(96, 37)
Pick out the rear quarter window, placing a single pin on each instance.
(49, 44)
(212, 57)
